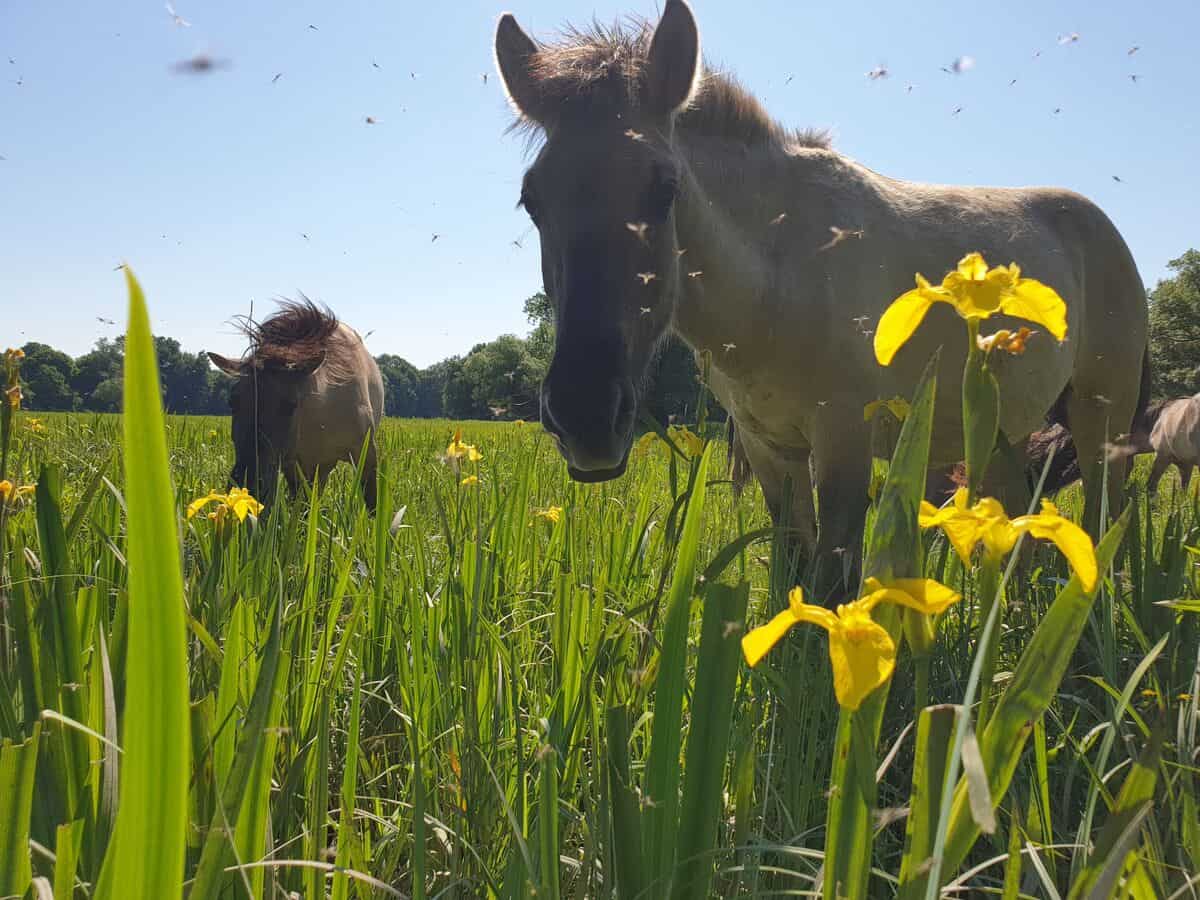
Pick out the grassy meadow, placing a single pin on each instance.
(525, 687)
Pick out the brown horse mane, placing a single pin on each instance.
(600, 70)
(1153, 411)
(296, 335)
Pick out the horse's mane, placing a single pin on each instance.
(600, 70)
(1154, 409)
(298, 334)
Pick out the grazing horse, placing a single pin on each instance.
(1171, 431)
(307, 396)
(666, 198)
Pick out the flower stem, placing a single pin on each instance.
(921, 691)
(989, 595)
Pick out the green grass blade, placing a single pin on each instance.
(145, 858)
(1108, 856)
(253, 821)
(346, 833)
(547, 822)
(894, 550)
(209, 871)
(662, 768)
(935, 729)
(66, 857)
(18, 767)
(1033, 685)
(708, 736)
(1012, 866)
(61, 669)
(317, 790)
(626, 816)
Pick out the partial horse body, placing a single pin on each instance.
(1171, 431)
(308, 395)
(667, 199)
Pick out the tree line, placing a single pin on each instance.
(500, 378)
(496, 379)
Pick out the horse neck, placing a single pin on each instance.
(728, 199)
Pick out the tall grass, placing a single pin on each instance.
(458, 698)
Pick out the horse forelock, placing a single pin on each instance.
(297, 335)
(599, 72)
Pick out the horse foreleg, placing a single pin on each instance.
(1091, 423)
(786, 485)
(1162, 462)
(843, 472)
(369, 480)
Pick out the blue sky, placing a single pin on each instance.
(206, 184)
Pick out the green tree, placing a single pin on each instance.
(1175, 328)
(216, 393)
(401, 386)
(47, 374)
(502, 379)
(183, 376)
(456, 396)
(107, 396)
(103, 363)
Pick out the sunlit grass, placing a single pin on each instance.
(425, 699)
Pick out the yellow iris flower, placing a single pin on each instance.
(976, 292)
(470, 480)
(861, 651)
(36, 426)
(645, 444)
(686, 440)
(459, 450)
(550, 514)
(11, 495)
(897, 406)
(985, 522)
(238, 501)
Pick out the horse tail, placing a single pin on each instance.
(1146, 413)
(739, 464)
(1064, 469)
(1056, 436)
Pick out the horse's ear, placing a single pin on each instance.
(514, 53)
(226, 365)
(673, 63)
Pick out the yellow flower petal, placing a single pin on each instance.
(1034, 301)
(757, 642)
(972, 267)
(960, 525)
(1071, 540)
(863, 656)
(470, 480)
(808, 612)
(900, 320)
(473, 455)
(196, 505)
(922, 594)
